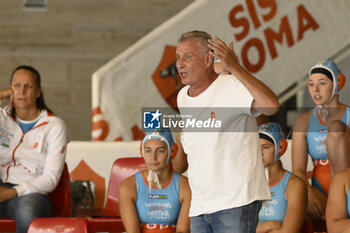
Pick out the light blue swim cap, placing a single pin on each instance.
(163, 135)
(273, 131)
(331, 67)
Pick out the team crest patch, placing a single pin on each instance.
(5, 145)
(5, 139)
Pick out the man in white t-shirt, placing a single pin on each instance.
(225, 169)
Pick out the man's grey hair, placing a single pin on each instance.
(200, 36)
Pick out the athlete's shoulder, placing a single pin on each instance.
(302, 122)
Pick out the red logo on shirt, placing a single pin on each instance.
(63, 149)
(35, 145)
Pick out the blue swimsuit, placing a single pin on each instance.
(275, 210)
(316, 136)
(161, 207)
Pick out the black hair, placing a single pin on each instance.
(264, 136)
(40, 102)
(322, 71)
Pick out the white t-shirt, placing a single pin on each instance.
(225, 168)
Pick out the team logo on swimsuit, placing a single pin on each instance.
(157, 196)
(151, 120)
(324, 131)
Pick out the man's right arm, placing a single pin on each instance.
(179, 162)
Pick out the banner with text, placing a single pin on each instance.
(277, 41)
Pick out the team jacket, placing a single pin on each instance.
(33, 160)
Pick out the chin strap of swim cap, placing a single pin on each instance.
(322, 111)
(153, 178)
(164, 135)
(266, 169)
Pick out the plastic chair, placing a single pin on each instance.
(307, 227)
(319, 225)
(60, 198)
(109, 218)
(52, 225)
